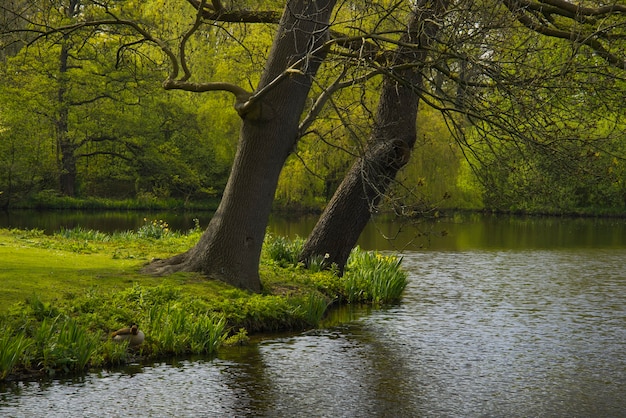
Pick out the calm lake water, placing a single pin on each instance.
(503, 317)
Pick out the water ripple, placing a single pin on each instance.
(479, 333)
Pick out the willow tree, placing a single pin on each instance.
(230, 247)
(389, 146)
(495, 70)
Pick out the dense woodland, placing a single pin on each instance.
(85, 114)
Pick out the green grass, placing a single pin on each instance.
(62, 295)
(50, 199)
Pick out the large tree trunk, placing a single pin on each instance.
(229, 250)
(388, 150)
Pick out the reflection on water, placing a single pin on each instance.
(479, 333)
(461, 232)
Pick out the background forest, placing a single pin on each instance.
(88, 117)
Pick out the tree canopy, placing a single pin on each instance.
(530, 93)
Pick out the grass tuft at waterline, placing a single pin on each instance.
(61, 296)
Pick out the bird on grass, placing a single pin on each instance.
(133, 335)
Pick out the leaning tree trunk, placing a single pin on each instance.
(229, 249)
(388, 150)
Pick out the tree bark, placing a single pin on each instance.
(66, 160)
(66, 149)
(389, 146)
(229, 249)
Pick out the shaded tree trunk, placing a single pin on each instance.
(229, 249)
(66, 149)
(388, 149)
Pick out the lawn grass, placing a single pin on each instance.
(56, 268)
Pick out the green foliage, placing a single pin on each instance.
(156, 228)
(80, 233)
(173, 329)
(13, 347)
(369, 276)
(56, 332)
(239, 338)
(107, 118)
(282, 250)
(313, 307)
(374, 277)
(61, 344)
(41, 310)
(436, 176)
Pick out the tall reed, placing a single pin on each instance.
(12, 350)
(61, 344)
(173, 330)
(374, 277)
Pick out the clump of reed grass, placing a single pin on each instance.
(371, 276)
(80, 233)
(13, 347)
(174, 330)
(311, 308)
(283, 250)
(61, 344)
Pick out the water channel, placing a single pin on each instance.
(503, 317)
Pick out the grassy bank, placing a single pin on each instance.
(62, 295)
(52, 201)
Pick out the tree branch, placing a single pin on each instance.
(217, 12)
(186, 36)
(578, 10)
(518, 9)
(114, 154)
(239, 92)
(327, 93)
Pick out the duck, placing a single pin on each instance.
(133, 335)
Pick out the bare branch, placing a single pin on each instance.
(327, 93)
(183, 42)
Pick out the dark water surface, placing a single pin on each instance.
(503, 317)
(459, 232)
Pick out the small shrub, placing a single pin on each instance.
(41, 310)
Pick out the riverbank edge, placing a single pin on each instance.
(54, 202)
(50, 201)
(97, 287)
